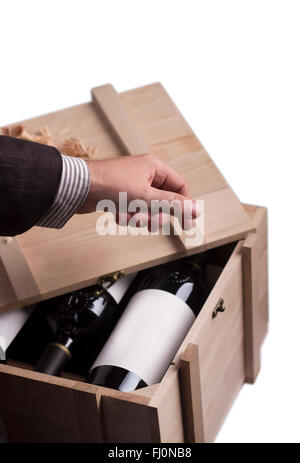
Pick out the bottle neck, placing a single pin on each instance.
(64, 339)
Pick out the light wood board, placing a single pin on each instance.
(74, 257)
(255, 267)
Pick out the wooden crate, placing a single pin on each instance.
(219, 353)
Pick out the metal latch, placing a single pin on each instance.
(220, 307)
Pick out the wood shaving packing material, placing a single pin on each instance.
(70, 147)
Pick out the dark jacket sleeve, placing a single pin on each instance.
(30, 175)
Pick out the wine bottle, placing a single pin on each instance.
(38, 331)
(10, 324)
(152, 327)
(82, 321)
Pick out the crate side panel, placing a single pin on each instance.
(36, 411)
(129, 422)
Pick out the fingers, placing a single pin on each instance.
(166, 178)
(123, 218)
(143, 178)
(168, 185)
(157, 221)
(137, 219)
(182, 205)
(152, 222)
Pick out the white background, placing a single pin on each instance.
(232, 68)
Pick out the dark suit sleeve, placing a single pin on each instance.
(30, 176)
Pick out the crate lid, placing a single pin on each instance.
(42, 263)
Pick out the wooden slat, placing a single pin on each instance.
(108, 102)
(127, 421)
(255, 269)
(8, 298)
(214, 192)
(167, 400)
(18, 271)
(190, 386)
(106, 98)
(40, 408)
(75, 256)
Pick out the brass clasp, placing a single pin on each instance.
(106, 281)
(220, 307)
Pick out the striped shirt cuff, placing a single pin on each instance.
(72, 192)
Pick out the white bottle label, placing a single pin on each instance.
(10, 324)
(119, 288)
(148, 334)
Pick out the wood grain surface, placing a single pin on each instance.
(255, 266)
(17, 271)
(75, 256)
(193, 398)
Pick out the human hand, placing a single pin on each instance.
(143, 177)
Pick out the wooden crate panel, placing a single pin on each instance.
(39, 408)
(74, 257)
